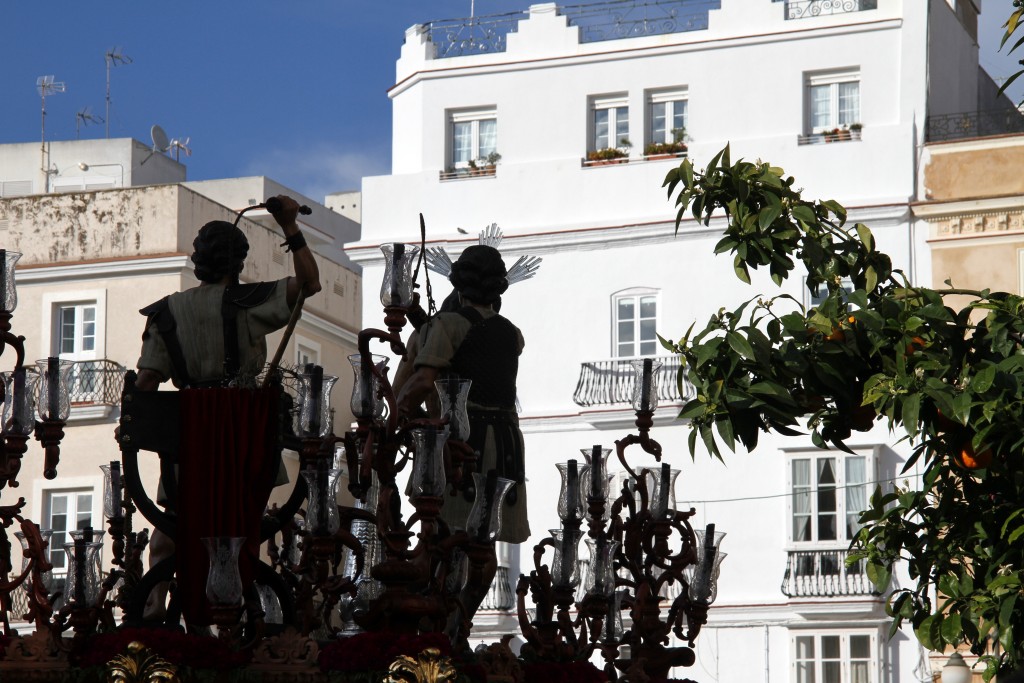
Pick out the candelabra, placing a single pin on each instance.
(36, 402)
(639, 545)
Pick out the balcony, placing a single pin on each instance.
(824, 574)
(803, 9)
(599, 21)
(467, 173)
(500, 595)
(95, 388)
(612, 382)
(973, 124)
(837, 135)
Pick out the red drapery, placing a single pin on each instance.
(227, 468)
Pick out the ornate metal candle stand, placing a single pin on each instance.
(640, 546)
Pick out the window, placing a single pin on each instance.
(668, 116)
(76, 331)
(829, 491)
(635, 313)
(610, 123)
(834, 658)
(65, 511)
(474, 136)
(306, 351)
(814, 296)
(833, 100)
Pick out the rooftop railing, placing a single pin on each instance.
(600, 21)
(611, 382)
(803, 9)
(973, 124)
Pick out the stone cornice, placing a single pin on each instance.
(969, 218)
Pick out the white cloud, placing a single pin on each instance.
(320, 170)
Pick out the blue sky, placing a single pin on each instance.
(293, 90)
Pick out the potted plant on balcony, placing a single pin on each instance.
(666, 150)
(484, 165)
(855, 129)
(611, 155)
(831, 135)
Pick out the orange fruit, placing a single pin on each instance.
(973, 460)
(916, 344)
(836, 335)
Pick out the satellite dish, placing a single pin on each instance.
(161, 143)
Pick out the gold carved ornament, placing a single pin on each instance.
(140, 665)
(428, 667)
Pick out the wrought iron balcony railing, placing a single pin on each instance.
(599, 21)
(611, 382)
(973, 124)
(500, 595)
(824, 574)
(802, 9)
(96, 382)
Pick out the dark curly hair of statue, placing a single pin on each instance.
(220, 249)
(479, 274)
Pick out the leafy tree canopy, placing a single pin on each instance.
(950, 380)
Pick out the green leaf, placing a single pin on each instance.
(879, 575)
(870, 279)
(768, 215)
(740, 345)
(866, 238)
(741, 270)
(804, 214)
(952, 633)
(911, 409)
(981, 382)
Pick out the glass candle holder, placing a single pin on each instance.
(663, 490)
(702, 576)
(601, 575)
(570, 500)
(484, 519)
(82, 586)
(645, 384)
(224, 582)
(313, 411)
(597, 479)
(396, 287)
(20, 388)
(47, 576)
(54, 388)
(112, 492)
(366, 403)
(458, 572)
(454, 394)
(428, 461)
(565, 566)
(611, 631)
(8, 291)
(322, 503)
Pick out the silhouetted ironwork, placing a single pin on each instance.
(96, 382)
(611, 382)
(973, 124)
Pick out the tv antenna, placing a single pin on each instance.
(45, 85)
(179, 145)
(161, 143)
(113, 57)
(83, 118)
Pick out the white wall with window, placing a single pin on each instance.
(74, 323)
(634, 323)
(609, 121)
(667, 115)
(833, 100)
(474, 135)
(835, 657)
(829, 490)
(65, 505)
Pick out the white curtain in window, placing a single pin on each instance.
(821, 106)
(856, 492)
(849, 103)
(801, 500)
(488, 137)
(462, 142)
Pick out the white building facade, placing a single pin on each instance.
(837, 93)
